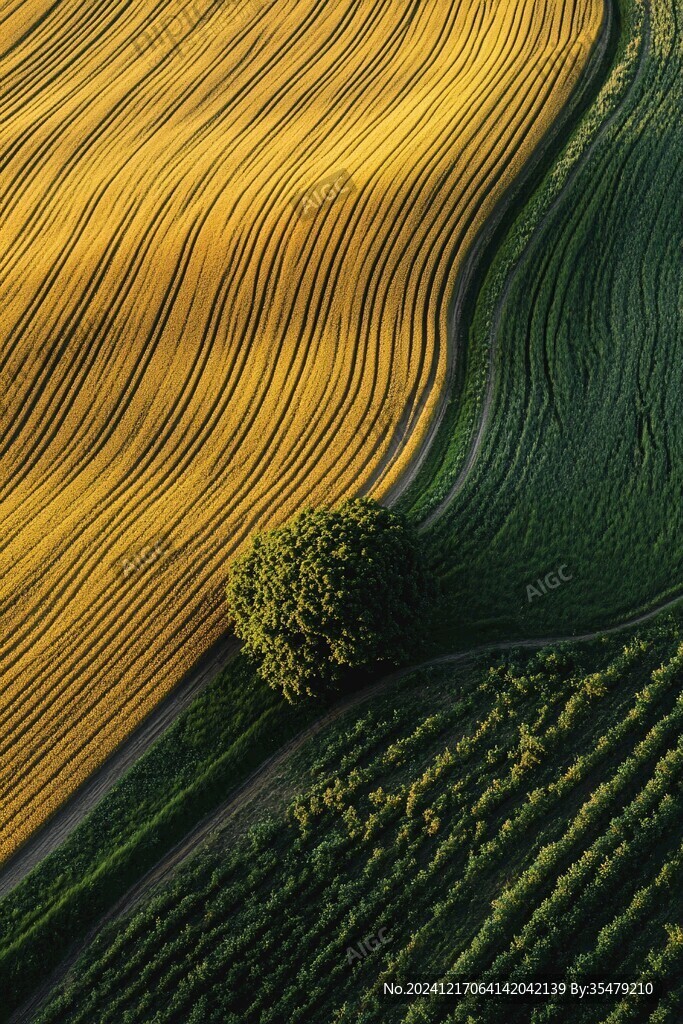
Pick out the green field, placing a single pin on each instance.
(504, 821)
(581, 462)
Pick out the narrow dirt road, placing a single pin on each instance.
(478, 435)
(259, 779)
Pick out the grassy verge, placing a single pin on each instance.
(543, 183)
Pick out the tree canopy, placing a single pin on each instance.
(334, 588)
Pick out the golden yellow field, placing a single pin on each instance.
(186, 352)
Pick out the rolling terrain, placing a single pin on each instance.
(171, 381)
(383, 305)
(233, 739)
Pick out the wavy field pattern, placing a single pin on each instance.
(171, 378)
(581, 461)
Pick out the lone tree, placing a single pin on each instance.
(334, 588)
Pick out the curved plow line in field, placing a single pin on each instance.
(172, 369)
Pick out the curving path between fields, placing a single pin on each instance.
(259, 779)
(251, 788)
(48, 837)
(57, 829)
